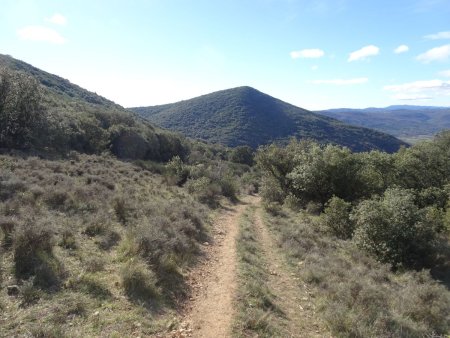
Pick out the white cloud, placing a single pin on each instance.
(445, 73)
(40, 33)
(438, 36)
(315, 67)
(410, 97)
(435, 54)
(401, 49)
(364, 53)
(342, 82)
(419, 90)
(307, 54)
(58, 19)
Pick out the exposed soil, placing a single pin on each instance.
(211, 307)
(209, 312)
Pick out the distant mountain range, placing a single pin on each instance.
(404, 121)
(246, 116)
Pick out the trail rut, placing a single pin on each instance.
(292, 297)
(211, 308)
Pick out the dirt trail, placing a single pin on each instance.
(292, 297)
(210, 311)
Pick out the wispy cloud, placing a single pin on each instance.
(401, 49)
(410, 97)
(307, 54)
(438, 36)
(364, 53)
(40, 33)
(419, 90)
(445, 73)
(435, 54)
(57, 19)
(342, 82)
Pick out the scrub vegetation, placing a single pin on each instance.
(368, 231)
(104, 216)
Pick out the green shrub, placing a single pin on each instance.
(336, 218)
(121, 209)
(394, 229)
(10, 186)
(228, 188)
(96, 227)
(176, 172)
(432, 197)
(29, 293)
(89, 283)
(68, 240)
(204, 190)
(139, 282)
(33, 254)
(242, 154)
(94, 264)
(271, 191)
(46, 331)
(57, 199)
(8, 225)
(22, 115)
(108, 239)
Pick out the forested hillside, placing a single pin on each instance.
(43, 111)
(245, 116)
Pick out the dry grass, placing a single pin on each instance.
(356, 295)
(75, 237)
(257, 316)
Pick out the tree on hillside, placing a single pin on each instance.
(21, 113)
(321, 172)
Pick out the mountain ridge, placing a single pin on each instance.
(406, 122)
(246, 116)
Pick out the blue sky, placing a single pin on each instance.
(315, 54)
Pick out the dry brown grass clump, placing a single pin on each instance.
(91, 245)
(356, 295)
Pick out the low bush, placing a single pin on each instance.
(57, 199)
(357, 295)
(336, 218)
(91, 284)
(29, 294)
(33, 254)
(204, 190)
(8, 225)
(139, 282)
(228, 188)
(10, 186)
(122, 209)
(68, 240)
(394, 229)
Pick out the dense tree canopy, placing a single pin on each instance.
(394, 206)
(22, 114)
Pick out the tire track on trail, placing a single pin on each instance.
(210, 311)
(292, 297)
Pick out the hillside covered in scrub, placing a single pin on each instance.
(246, 116)
(101, 213)
(59, 116)
(110, 226)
